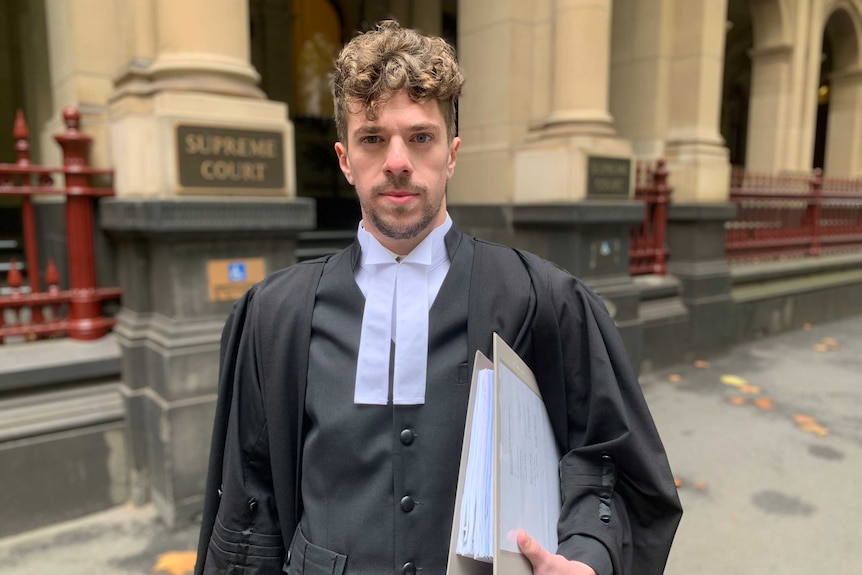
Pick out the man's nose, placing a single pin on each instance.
(397, 158)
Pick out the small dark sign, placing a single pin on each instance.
(608, 178)
(211, 157)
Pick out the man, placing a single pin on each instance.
(344, 381)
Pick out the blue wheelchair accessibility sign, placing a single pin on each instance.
(236, 272)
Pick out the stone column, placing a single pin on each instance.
(698, 161)
(581, 68)
(82, 36)
(204, 208)
(495, 106)
(555, 164)
(642, 44)
(534, 114)
(844, 131)
(770, 92)
(212, 55)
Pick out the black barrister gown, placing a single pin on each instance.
(617, 488)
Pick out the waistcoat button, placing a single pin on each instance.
(409, 568)
(407, 436)
(407, 504)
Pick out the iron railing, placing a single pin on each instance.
(76, 311)
(793, 215)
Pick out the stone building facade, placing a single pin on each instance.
(216, 117)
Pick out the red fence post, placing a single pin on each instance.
(662, 194)
(21, 135)
(816, 186)
(84, 305)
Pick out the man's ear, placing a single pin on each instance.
(344, 162)
(453, 155)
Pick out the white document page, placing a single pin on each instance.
(529, 465)
(475, 539)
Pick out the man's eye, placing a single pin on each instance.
(422, 138)
(370, 139)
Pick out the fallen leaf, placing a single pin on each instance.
(700, 485)
(816, 429)
(176, 563)
(674, 378)
(820, 347)
(764, 403)
(829, 341)
(749, 389)
(808, 423)
(733, 380)
(700, 364)
(807, 327)
(737, 400)
(677, 482)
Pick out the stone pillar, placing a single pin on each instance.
(844, 131)
(581, 68)
(531, 120)
(642, 43)
(195, 147)
(82, 37)
(698, 161)
(212, 56)
(770, 92)
(494, 110)
(555, 163)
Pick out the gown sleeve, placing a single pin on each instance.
(617, 487)
(239, 528)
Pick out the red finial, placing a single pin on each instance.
(52, 277)
(13, 278)
(21, 135)
(72, 118)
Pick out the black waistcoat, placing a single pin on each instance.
(378, 482)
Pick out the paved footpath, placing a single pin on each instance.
(771, 466)
(769, 462)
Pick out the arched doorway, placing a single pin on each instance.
(837, 146)
(756, 85)
(736, 86)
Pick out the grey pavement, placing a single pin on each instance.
(764, 490)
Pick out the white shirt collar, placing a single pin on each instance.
(431, 251)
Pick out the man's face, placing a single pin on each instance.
(399, 164)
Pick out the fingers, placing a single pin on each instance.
(545, 562)
(531, 549)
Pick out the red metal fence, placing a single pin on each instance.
(793, 215)
(647, 251)
(76, 311)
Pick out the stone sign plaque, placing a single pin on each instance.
(224, 158)
(608, 178)
(229, 279)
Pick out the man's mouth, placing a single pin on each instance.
(399, 196)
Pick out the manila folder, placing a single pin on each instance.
(524, 476)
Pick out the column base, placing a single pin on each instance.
(560, 169)
(177, 293)
(695, 239)
(176, 142)
(698, 170)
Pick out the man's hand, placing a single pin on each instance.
(546, 563)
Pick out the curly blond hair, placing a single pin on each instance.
(376, 64)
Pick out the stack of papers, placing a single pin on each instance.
(509, 478)
(475, 540)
